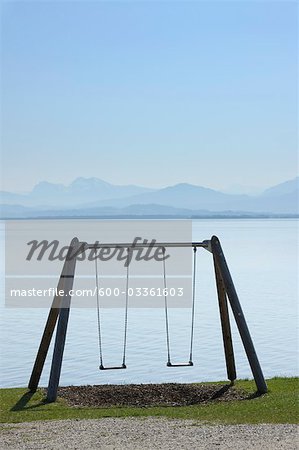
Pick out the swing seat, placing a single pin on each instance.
(123, 366)
(169, 364)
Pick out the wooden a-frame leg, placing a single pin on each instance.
(49, 327)
(225, 325)
(44, 344)
(239, 316)
(60, 337)
(58, 351)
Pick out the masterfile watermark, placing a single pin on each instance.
(131, 258)
(101, 292)
(141, 249)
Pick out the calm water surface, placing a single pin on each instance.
(263, 259)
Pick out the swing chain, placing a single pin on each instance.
(98, 313)
(126, 309)
(190, 363)
(166, 310)
(123, 366)
(193, 306)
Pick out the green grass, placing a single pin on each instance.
(279, 405)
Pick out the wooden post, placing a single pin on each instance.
(62, 323)
(45, 343)
(225, 325)
(239, 316)
(58, 351)
(49, 329)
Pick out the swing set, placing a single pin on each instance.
(60, 308)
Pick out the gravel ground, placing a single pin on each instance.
(144, 434)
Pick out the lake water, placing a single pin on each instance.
(263, 258)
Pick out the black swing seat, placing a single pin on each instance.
(170, 364)
(123, 366)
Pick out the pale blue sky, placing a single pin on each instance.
(150, 93)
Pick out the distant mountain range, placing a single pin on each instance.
(80, 191)
(92, 197)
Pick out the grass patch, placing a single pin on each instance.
(280, 405)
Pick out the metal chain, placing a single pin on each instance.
(98, 314)
(193, 304)
(126, 309)
(166, 310)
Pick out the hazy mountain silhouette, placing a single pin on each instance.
(92, 196)
(288, 187)
(81, 190)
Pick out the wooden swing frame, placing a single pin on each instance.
(60, 309)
